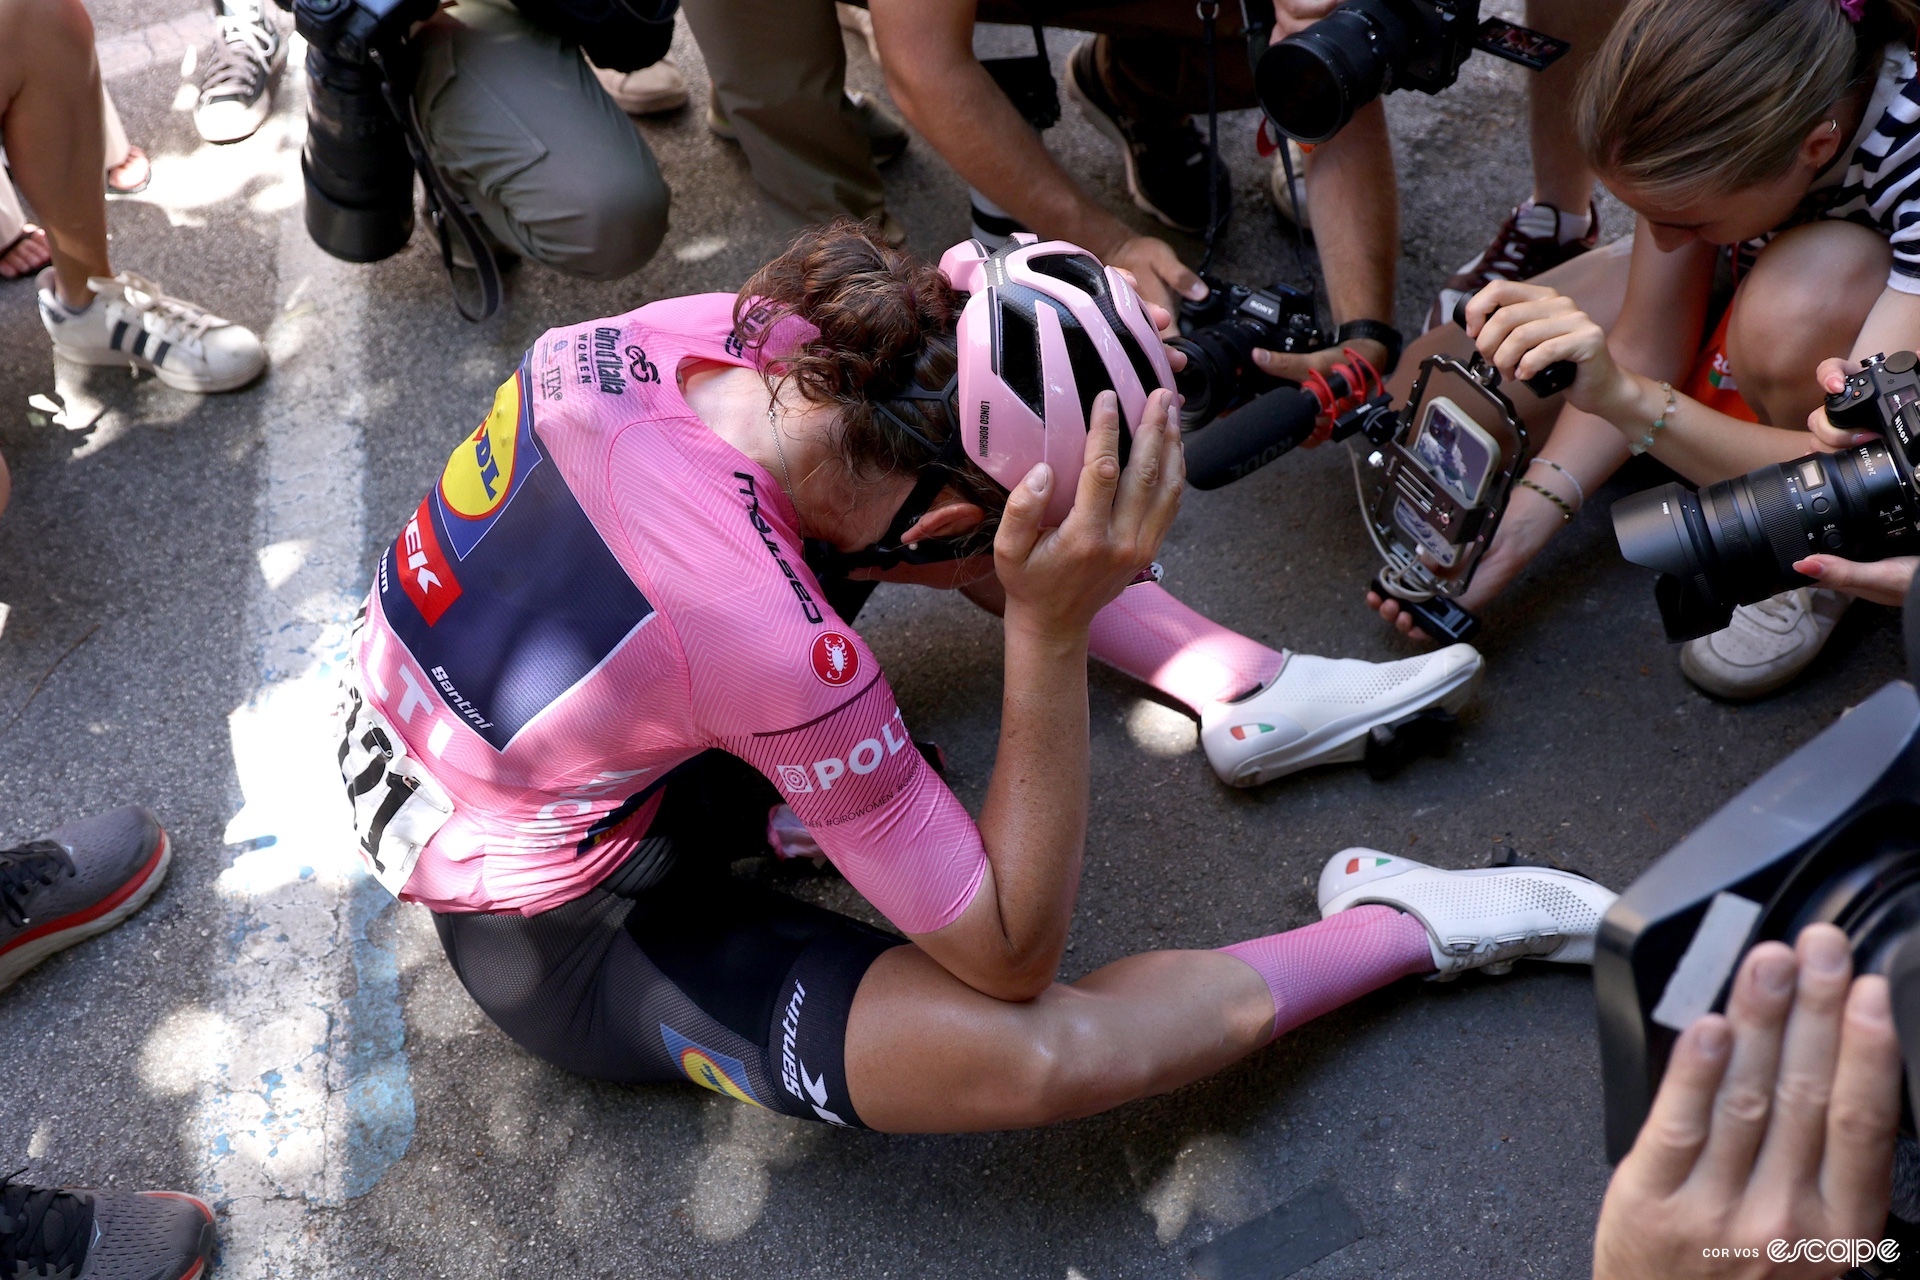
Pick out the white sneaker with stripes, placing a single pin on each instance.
(1320, 710)
(131, 322)
(1485, 918)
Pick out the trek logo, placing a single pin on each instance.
(639, 368)
(986, 411)
(862, 760)
(425, 575)
(835, 660)
(793, 1072)
(606, 361)
(709, 1068)
(808, 609)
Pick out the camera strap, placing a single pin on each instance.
(444, 207)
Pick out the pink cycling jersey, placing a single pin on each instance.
(600, 588)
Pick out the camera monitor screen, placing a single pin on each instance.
(1455, 450)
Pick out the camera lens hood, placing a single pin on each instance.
(1653, 530)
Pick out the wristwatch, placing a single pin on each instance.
(1378, 331)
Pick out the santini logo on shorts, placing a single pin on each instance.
(835, 660)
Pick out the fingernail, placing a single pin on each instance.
(1107, 400)
(1863, 437)
(1825, 953)
(1197, 290)
(1809, 568)
(1713, 1039)
(1040, 479)
(1774, 974)
(1870, 1002)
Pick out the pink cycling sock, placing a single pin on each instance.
(1153, 637)
(1317, 969)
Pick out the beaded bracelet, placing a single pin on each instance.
(1640, 446)
(1566, 512)
(1580, 490)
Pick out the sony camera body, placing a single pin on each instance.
(1219, 334)
(1736, 542)
(1313, 81)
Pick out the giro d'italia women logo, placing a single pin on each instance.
(835, 660)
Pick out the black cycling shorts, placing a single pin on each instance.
(671, 969)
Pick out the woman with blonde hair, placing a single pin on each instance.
(1772, 151)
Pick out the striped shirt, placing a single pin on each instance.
(1881, 185)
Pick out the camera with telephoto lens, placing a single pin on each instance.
(1218, 335)
(1736, 542)
(358, 170)
(1313, 81)
(1830, 835)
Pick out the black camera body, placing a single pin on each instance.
(1219, 334)
(1313, 81)
(1736, 542)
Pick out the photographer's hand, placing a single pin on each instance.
(1880, 581)
(1774, 1122)
(1290, 16)
(1832, 375)
(1523, 328)
(1157, 274)
(1296, 367)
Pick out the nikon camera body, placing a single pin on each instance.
(1736, 542)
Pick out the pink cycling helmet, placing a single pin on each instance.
(1046, 330)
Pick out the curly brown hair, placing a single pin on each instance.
(886, 325)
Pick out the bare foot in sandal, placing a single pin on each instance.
(131, 176)
(26, 254)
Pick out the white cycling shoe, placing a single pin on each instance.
(1320, 710)
(1480, 919)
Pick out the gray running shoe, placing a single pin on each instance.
(67, 1233)
(76, 881)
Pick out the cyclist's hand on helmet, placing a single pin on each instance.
(1158, 275)
(1523, 328)
(1832, 375)
(1161, 319)
(1774, 1125)
(1057, 579)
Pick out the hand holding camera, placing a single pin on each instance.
(1775, 1122)
(1521, 329)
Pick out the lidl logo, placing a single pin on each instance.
(709, 1068)
(488, 467)
(1242, 732)
(1354, 865)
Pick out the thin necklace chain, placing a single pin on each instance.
(773, 405)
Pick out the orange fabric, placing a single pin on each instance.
(1711, 380)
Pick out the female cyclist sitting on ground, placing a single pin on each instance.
(597, 643)
(1769, 147)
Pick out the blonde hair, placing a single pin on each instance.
(1706, 97)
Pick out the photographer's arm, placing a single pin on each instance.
(1355, 207)
(926, 49)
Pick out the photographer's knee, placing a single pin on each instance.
(619, 228)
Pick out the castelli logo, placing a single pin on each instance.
(835, 660)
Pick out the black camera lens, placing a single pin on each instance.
(1736, 542)
(1220, 371)
(1313, 81)
(358, 173)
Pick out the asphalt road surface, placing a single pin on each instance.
(273, 1032)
